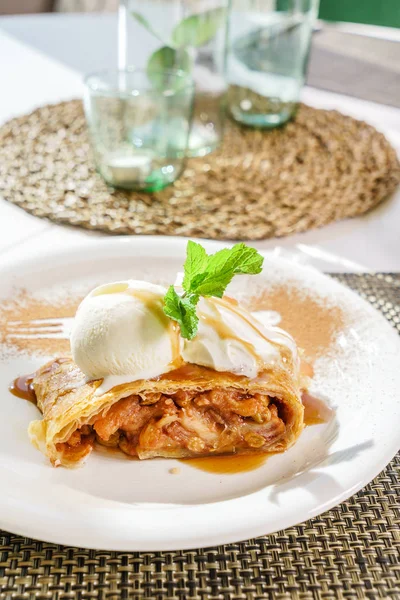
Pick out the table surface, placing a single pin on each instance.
(46, 58)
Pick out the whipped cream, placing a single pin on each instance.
(121, 334)
(230, 339)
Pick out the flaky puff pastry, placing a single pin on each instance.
(68, 402)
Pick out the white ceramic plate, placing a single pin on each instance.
(117, 504)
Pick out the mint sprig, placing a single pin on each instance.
(207, 275)
(191, 32)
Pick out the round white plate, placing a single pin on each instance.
(116, 504)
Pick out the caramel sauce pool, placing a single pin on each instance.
(22, 388)
(228, 464)
(316, 411)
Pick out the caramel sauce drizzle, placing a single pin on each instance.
(226, 333)
(253, 323)
(22, 388)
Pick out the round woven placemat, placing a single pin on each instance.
(321, 167)
(350, 552)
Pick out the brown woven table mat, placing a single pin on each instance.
(350, 552)
(321, 167)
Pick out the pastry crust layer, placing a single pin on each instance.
(192, 411)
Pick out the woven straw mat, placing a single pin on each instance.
(320, 168)
(350, 552)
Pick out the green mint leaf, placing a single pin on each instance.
(239, 259)
(198, 29)
(223, 266)
(207, 276)
(145, 23)
(172, 306)
(196, 263)
(166, 58)
(182, 310)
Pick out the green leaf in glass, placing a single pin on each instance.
(143, 21)
(198, 29)
(164, 59)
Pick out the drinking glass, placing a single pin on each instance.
(139, 124)
(181, 34)
(268, 50)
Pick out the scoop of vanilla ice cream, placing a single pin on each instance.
(230, 339)
(120, 330)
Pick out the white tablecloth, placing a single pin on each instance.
(43, 59)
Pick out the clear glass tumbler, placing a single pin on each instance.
(268, 50)
(139, 126)
(181, 34)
